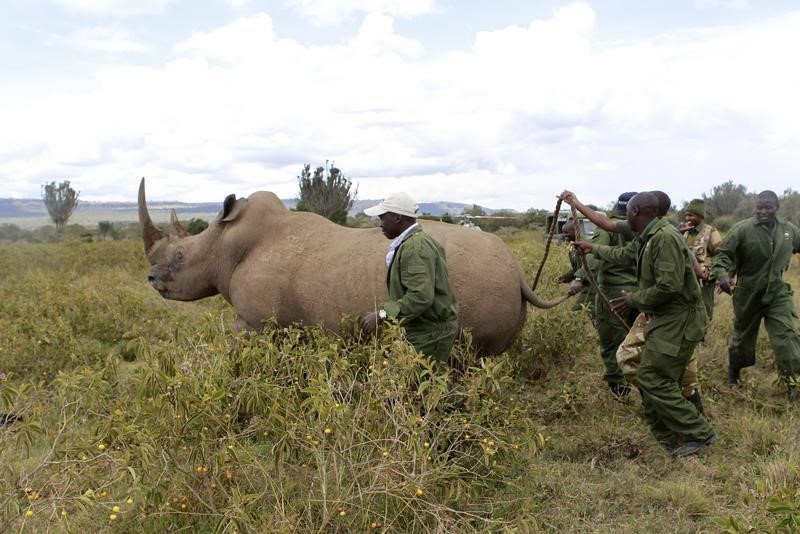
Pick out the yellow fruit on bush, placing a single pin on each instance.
(115, 508)
(102, 447)
(29, 513)
(328, 431)
(342, 513)
(113, 517)
(129, 501)
(420, 492)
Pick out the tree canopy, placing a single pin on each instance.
(328, 192)
(724, 198)
(60, 200)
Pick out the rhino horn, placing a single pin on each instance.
(150, 233)
(177, 228)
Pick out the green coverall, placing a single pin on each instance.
(613, 278)
(421, 295)
(759, 256)
(668, 291)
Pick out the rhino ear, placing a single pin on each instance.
(232, 208)
(177, 228)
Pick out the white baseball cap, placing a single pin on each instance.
(399, 203)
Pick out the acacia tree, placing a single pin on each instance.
(60, 200)
(327, 192)
(725, 198)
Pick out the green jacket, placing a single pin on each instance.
(612, 274)
(668, 289)
(419, 285)
(758, 257)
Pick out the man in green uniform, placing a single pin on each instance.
(614, 279)
(703, 240)
(575, 273)
(420, 294)
(668, 291)
(630, 350)
(759, 250)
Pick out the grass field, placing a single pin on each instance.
(150, 416)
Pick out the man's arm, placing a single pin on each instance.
(668, 269)
(418, 270)
(600, 220)
(619, 255)
(725, 260)
(714, 241)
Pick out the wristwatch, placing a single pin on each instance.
(382, 315)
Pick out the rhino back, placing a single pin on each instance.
(303, 268)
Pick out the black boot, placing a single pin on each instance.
(734, 375)
(695, 399)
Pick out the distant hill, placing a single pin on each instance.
(30, 212)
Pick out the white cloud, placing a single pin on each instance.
(106, 39)
(376, 36)
(734, 4)
(243, 39)
(238, 4)
(330, 12)
(118, 8)
(509, 122)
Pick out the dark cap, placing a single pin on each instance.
(621, 207)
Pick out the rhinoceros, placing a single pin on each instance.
(299, 267)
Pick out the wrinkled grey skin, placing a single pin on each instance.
(301, 268)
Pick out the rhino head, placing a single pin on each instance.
(183, 265)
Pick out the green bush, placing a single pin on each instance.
(723, 223)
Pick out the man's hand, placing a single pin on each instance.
(560, 279)
(575, 287)
(725, 284)
(583, 247)
(369, 323)
(568, 197)
(698, 269)
(620, 305)
(684, 227)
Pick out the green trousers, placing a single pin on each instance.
(667, 412)
(780, 320)
(611, 334)
(435, 341)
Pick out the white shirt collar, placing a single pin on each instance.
(396, 242)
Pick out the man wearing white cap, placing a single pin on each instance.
(419, 286)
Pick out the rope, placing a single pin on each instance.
(590, 275)
(551, 231)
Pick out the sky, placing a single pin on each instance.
(500, 103)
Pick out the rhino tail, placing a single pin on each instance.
(530, 296)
